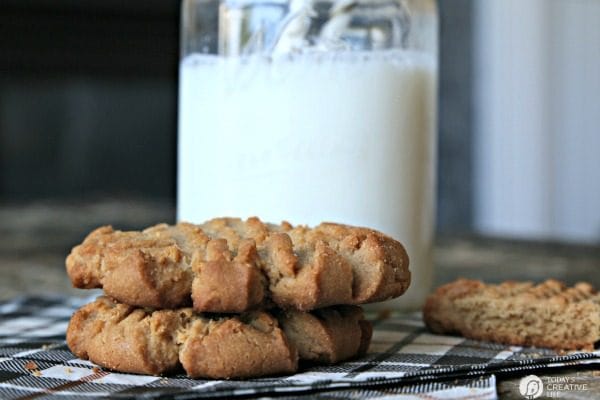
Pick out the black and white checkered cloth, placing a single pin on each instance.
(404, 358)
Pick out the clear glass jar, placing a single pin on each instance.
(311, 111)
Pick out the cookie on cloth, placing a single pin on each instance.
(129, 339)
(232, 266)
(549, 314)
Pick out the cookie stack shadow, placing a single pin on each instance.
(230, 298)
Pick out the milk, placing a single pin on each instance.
(316, 137)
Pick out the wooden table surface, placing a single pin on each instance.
(35, 238)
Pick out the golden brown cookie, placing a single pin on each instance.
(327, 335)
(230, 265)
(520, 313)
(130, 339)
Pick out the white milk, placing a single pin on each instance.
(315, 138)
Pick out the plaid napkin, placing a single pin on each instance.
(404, 360)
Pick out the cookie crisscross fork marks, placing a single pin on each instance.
(230, 265)
(130, 339)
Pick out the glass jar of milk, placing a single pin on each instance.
(310, 111)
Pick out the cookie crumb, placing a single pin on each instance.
(68, 370)
(37, 373)
(96, 370)
(383, 314)
(30, 366)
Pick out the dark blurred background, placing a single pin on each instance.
(88, 98)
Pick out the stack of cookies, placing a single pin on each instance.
(230, 298)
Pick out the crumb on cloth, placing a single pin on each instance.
(30, 366)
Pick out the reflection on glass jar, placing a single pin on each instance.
(309, 111)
